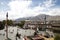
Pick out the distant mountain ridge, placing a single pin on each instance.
(40, 17)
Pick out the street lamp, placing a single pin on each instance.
(6, 26)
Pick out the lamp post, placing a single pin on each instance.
(45, 19)
(45, 22)
(44, 28)
(6, 26)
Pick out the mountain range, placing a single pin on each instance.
(41, 17)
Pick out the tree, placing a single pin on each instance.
(57, 37)
(9, 22)
(4, 22)
(1, 25)
(21, 24)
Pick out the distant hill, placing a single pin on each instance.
(40, 17)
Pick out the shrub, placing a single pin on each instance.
(57, 37)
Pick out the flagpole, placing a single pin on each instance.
(6, 26)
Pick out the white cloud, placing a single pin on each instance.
(19, 9)
(49, 3)
(54, 11)
(21, 0)
(2, 15)
(1, 3)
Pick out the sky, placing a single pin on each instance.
(28, 8)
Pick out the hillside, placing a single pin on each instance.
(40, 17)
